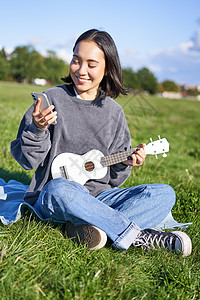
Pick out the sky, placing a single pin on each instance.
(163, 36)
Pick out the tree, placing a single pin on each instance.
(19, 61)
(148, 81)
(4, 65)
(169, 86)
(130, 79)
(193, 92)
(36, 67)
(26, 63)
(55, 67)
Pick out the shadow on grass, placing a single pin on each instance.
(18, 176)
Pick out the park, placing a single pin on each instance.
(38, 261)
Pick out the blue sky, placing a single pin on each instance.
(163, 36)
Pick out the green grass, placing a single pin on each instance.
(37, 261)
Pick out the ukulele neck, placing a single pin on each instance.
(113, 159)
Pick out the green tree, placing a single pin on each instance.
(169, 86)
(148, 81)
(26, 63)
(55, 67)
(193, 92)
(19, 61)
(130, 79)
(36, 67)
(4, 65)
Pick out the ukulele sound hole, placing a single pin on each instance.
(89, 166)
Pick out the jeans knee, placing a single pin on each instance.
(170, 194)
(62, 191)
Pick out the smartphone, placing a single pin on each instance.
(45, 101)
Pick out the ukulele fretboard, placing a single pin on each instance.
(116, 158)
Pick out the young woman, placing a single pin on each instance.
(88, 118)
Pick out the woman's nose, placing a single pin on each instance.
(82, 69)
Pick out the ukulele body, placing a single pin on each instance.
(79, 168)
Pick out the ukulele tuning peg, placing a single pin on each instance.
(156, 156)
(159, 137)
(164, 155)
(151, 140)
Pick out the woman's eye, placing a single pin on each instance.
(74, 61)
(91, 66)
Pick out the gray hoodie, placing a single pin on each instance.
(82, 125)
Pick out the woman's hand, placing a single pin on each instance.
(137, 158)
(42, 119)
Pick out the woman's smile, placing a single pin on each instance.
(82, 80)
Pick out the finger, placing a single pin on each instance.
(42, 114)
(131, 162)
(142, 145)
(48, 110)
(38, 105)
(37, 108)
(52, 120)
(141, 152)
(51, 117)
(139, 160)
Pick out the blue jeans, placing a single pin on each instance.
(120, 212)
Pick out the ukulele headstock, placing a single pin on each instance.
(157, 147)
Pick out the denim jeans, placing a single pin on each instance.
(120, 212)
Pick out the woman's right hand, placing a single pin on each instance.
(42, 119)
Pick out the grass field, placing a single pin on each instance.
(37, 261)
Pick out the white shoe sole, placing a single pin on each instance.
(186, 245)
(93, 237)
(103, 239)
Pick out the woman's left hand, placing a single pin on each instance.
(137, 158)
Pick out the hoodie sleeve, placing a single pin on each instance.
(32, 144)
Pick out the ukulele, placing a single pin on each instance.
(94, 165)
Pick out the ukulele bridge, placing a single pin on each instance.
(63, 171)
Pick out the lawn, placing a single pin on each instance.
(37, 261)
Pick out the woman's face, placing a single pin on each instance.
(87, 69)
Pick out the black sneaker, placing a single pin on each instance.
(86, 234)
(176, 241)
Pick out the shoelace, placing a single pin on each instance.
(153, 241)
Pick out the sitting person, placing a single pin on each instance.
(88, 118)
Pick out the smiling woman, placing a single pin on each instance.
(99, 51)
(88, 118)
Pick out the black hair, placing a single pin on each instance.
(111, 84)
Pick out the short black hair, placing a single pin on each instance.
(112, 83)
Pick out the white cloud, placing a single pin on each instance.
(185, 47)
(131, 58)
(154, 68)
(36, 40)
(62, 54)
(65, 55)
(180, 63)
(173, 69)
(65, 44)
(8, 50)
(196, 38)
